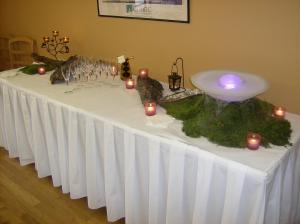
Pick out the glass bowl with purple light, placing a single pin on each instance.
(230, 86)
(230, 81)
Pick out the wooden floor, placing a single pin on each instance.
(24, 198)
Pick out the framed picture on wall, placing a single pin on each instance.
(167, 10)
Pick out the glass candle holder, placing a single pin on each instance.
(129, 84)
(253, 141)
(150, 108)
(114, 70)
(143, 73)
(41, 70)
(279, 112)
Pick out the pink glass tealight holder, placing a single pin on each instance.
(279, 112)
(41, 70)
(253, 141)
(150, 108)
(143, 73)
(129, 84)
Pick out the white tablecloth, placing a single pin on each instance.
(95, 142)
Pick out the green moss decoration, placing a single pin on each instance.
(228, 124)
(33, 69)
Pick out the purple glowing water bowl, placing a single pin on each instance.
(228, 85)
(230, 81)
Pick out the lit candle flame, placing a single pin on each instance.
(143, 72)
(279, 112)
(150, 109)
(66, 40)
(55, 33)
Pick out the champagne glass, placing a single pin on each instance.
(64, 74)
(113, 69)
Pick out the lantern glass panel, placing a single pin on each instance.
(174, 82)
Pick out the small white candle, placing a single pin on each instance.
(66, 40)
(55, 33)
(46, 39)
(150, 108)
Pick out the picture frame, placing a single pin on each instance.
(162, 10)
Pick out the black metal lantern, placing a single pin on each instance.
(174, 81)
(175, 78)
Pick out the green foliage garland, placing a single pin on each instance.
(33, 69)
(228, 124)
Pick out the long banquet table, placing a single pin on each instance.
(96, 142)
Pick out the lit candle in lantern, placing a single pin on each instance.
(46, 39)
(279, 112)
(253, 141)
(143, 73)
(66, 39)
(55, 33)
(129, 83)
(150, 108)
(41, 70)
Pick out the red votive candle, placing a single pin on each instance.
(150, 108)
(279, 112)
(41, 70)
(253, 141)
(129, 84)
(143, 73)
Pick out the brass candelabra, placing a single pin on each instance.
(56, 45)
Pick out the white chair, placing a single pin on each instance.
(4, 53)
(20, 50)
